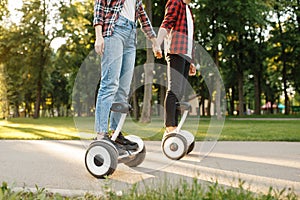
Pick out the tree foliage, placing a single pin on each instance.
(254, 43)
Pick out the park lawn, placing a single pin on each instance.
(244, 130)
(261, 130)
(36, 129)
(232, 129)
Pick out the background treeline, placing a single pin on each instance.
(254, 43)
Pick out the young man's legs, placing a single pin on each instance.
(177, 73)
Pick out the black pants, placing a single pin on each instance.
(177, 73)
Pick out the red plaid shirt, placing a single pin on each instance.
(106, 13)
(175, 22)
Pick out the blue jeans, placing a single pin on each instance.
(117, 66)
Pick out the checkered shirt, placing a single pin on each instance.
(106, 13)
(175, 22)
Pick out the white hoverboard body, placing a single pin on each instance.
(102, 156)
(178, 143)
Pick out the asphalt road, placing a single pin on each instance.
(58, 166)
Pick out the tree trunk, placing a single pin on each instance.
(135, 104)
(232, 101)
(209, 101)
(38, 95)
(16, 111)
(148, 67)
(286, 97)
(146, 111)
(257, 76)
(201, 106)
(3, 94)
(284, 77)
(209, 107)
(241, 92)
(41, 64)
(257, 93)
(162, 90)
(217, 88)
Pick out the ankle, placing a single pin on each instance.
(113, 131)
(101, 135)
(171, 128)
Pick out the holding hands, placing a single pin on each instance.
(158, 54)
(156, 48)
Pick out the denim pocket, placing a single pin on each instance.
(121, 22)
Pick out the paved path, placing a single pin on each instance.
(59, 166)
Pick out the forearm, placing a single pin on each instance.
(98, 31)
(145, 22)
(162, 33)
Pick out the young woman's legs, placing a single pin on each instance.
(115, 77)
(127, 68)
(110, 70)
(124, 82)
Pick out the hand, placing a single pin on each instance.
(192, 71)
(157, 52)
(99, 46)
(156, 48)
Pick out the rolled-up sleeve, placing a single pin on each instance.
(99, 12)
(145, 22)
(171, 14)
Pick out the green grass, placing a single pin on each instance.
(233, 129)
(183, 190)
(277, 115)
(261, 130)
(43, 128)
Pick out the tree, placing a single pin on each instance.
(77, 54)
(148, 67)
(36, 39)
(11, 56)
(253, 63)
(232, 35)
(3, 88)
(285, 42)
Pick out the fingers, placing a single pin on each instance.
(156, 48)
(99, 46)
(99, 50)
(157, 51)
(158, 54)
(192, 71)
